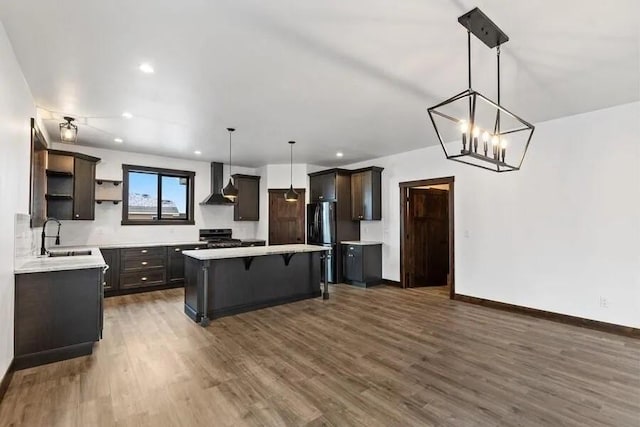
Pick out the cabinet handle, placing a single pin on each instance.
(177, 249)
(320, 197)
(196, 249)
(144, 263)
(144, 251)
(144, 279)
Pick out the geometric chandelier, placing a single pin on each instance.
(471, 128)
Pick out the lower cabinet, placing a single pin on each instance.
(175, 262)
(58, 315)
(142, 268)
(362, 264)
(112, 275)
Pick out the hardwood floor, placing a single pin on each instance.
(368, 357)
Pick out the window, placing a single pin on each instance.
(153, 196)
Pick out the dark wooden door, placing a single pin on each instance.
(286, 219)
(84, 188)
(247, 206)
(427, 237)
(323, 187)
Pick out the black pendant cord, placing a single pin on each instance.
(497, 126)
(291, 165)
(229, 152)
(469, 70)
(469, 56)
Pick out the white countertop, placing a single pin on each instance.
(41, 264)
(360, 242)
(207, 254)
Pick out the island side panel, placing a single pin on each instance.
(268, 281)
(193, 282)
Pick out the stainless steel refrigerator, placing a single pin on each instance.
(321, 230)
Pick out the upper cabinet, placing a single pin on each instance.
(329, 185)
(247, 205)
(366, 194)
(71, 185)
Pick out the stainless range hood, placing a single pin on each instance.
(217, 183)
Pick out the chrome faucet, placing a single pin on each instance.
(43, 250)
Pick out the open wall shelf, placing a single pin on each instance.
(108, 191)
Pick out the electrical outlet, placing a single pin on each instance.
(604, 303)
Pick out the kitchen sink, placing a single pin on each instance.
(68, 253)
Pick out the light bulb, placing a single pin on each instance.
(485, 136)
(68, 134)
(476, 131)
(503, 143)
(495, 140)
(464, 126)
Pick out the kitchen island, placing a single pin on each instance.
(222, 282)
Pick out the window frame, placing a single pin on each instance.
(160, 172)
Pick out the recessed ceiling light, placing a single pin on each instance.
(339, 154)
(127, 115)
(146, 68)
(197, 152)
(118, 140)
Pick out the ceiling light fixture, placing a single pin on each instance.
(127, 115)
(118, 140)
(475, 116)
(339, 154)
(291, 195)
(68, 131)
(197, 152)
(230, 191)
(146, 68)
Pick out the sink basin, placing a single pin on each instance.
(68, 253)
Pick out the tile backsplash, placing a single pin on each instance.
(25, 241)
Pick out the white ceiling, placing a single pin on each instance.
(335, 75)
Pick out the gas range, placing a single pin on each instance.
(217, 238)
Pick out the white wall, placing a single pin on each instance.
(107, 228)
(16, 109)
(558, 235)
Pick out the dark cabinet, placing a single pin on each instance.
(58, 315)
(175, 262)
(322, 187)
(247, 205)
(143, 267)
(111, 276)
(136, 269)
(84, 188)
(366, 194)
(70, 185)
(362, 263)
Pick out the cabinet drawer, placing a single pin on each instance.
(142, 278)
(142, 263)
(154, 251)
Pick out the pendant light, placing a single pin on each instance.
(470, 116)
(291, 195)
(230, 191)
(68, 131)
